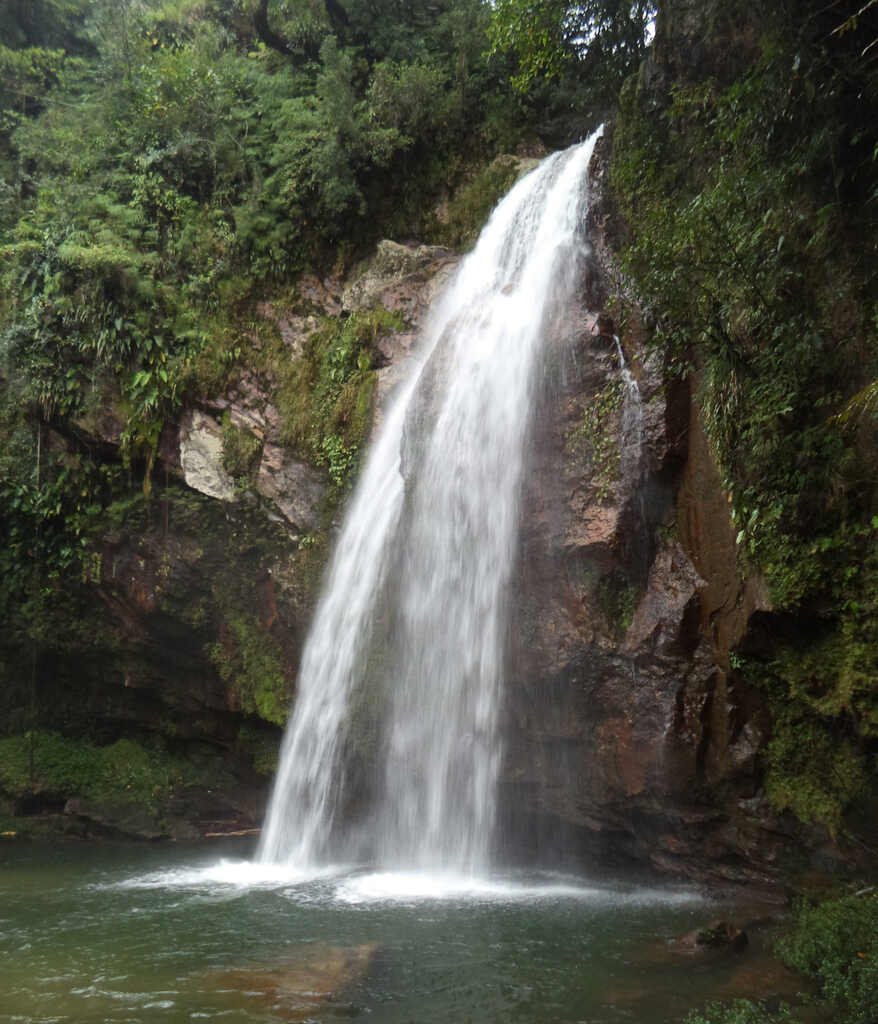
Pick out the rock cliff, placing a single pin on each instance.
(630, 738)
(186, 634)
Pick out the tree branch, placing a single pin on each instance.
(265, 32)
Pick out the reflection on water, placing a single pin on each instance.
(153, 934)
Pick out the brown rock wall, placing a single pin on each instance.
(628, 737)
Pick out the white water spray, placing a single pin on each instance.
(632, 421)
(401, 673)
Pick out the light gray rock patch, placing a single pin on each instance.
(201, 456)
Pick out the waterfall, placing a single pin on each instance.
(393, 748)
(631, 434)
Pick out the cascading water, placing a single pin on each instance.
(404, 656)
(632, 421)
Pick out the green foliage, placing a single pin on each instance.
(836, 944)
(812, 768)
(736, 220)
(748, 210)
(594, 440)
(821, 687)
(26, 76)
(242, 450)
(51, 504)
(617, 599)
(123, 771)
(262, 748)
(326, 140)
(470, 207)
(325, 397)
(248, 658)
(535, 32)
(600, 39)
(741, 1011)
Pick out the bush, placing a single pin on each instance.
(741, 1011)
(122, 771)
(836, 944)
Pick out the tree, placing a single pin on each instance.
(551, 38)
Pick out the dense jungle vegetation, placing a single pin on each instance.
(166, 164)
(752, 218)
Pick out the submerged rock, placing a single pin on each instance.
(319, 977)
(717, 935)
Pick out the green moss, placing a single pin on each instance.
(812, 768)
(594, 440)
(48, 762)
(823, 692)
(242, 450)
(250, 661)
(470, 208)
(261, 748)
(325, 396)
(617, 599)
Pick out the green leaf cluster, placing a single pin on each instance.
(833, 943)
(598, 42)
(836, 944)
(325, 397)
(750, 194)
(123, 771)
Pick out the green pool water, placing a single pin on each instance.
(183, 933)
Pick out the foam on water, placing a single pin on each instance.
(389, 886)
(413, 887)
(233, 874)
(352, 887)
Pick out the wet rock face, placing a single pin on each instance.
(296, 488)
(402, 278)
(628, 740)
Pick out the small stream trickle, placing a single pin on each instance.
(631, 433)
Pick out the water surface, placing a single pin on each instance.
(198, 932)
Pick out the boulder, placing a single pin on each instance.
(718, 935)
(402, 278)
(201, 456)
(296, 488)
